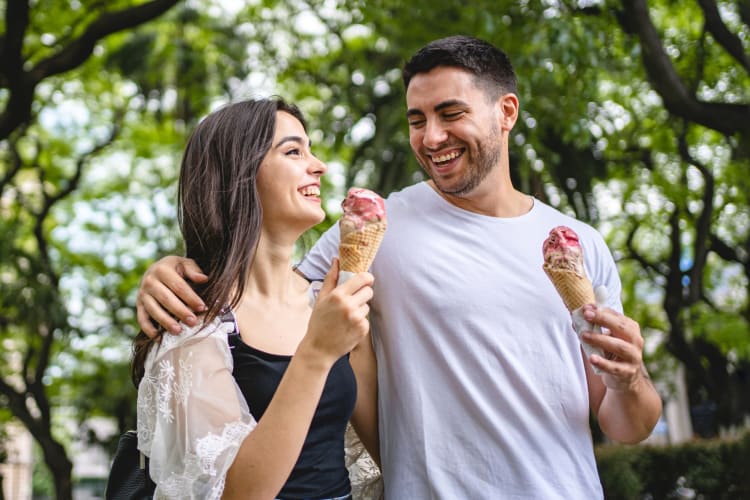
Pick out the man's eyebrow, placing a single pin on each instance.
(438, 108)
(449, 103)
(292, 138)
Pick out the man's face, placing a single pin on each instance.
(454, 129)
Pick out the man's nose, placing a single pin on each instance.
(434, 134)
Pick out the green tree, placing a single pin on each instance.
(633, 117)
(46, 148)
(693, 246)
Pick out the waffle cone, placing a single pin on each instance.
(574, 289)
(358, 247)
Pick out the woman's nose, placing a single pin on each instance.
(317, 167)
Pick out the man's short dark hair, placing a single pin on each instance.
(489, 65)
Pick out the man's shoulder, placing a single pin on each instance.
(560, 218)
(555, 217)
(407, 194)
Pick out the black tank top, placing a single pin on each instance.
(320, 471)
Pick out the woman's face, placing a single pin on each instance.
(289, 179)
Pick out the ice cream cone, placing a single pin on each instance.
(563, 264)
(575, 290)
(361, 228)
(358, 246)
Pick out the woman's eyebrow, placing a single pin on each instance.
(292, 138)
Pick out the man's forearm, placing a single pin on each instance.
(629, 415)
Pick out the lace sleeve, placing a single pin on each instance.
(364, 473)
(192, 417)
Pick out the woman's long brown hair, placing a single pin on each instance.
(218, 207)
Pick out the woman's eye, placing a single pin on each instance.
(293, 152)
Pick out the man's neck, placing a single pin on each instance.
(490, 200)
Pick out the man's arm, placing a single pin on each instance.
(165, 297)
(622, 397)
(317, 261)
(365, 415)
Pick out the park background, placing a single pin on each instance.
(635, 117)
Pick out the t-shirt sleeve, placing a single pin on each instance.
(317, 262)
(606, 274)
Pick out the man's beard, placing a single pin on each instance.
(478, 170)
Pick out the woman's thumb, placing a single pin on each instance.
(331, 279)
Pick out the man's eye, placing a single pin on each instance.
(453, 115)
(416, 123)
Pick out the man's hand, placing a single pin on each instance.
(622, 397)
(622, 366)
(165, 297)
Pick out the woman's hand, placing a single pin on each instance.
(339, 319)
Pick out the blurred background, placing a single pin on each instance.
(635, 117)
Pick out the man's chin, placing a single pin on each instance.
(450, 189)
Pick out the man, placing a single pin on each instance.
(484, 391)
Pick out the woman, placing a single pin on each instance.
(254, 402)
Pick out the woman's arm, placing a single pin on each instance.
(269, 453)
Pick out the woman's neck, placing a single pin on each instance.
(272, 276)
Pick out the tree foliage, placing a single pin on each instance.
(635, 117)
(96, 98)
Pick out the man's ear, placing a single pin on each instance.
(507, 105)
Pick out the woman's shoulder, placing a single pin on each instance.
(200, 337)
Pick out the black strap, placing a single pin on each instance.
(128, 476)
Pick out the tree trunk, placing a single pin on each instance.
(59, 466)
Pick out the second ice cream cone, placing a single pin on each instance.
(574, 289)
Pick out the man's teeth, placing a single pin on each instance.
(446, 157)
(310, 191)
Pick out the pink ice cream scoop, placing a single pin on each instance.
(362, 227)
(362, 205)
(562, 250)
(563, 263)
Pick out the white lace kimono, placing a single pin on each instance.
(192, 418)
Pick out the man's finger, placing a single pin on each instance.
(178, 297)
(168, 310)
(190, 270)
(612, 346)
(618, 324)
(145, 323)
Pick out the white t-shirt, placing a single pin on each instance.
(482, 385)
